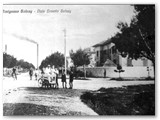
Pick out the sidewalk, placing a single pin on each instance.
(97, 83)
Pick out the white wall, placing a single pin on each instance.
(123, 60)
(137, 62)
(129, 71)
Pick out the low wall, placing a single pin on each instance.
(129, 71)
(7, 71)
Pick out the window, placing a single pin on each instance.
(113, 49)
(97, 53)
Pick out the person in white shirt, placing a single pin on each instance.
(57, 72)
(53, 72)
(48, 72)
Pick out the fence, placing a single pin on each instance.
(8, 71)
(129, 72)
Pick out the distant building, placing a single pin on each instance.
(69, 62)
(108, 55)
(90, 51)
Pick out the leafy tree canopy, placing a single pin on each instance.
(79, 58)
(138, 39)
(10, 61)
(56, 59)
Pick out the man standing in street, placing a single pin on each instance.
(71, 76)
(64, 80)
(104, 73)
(14, 75)
(31, 73)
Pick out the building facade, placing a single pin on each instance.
(108, 55)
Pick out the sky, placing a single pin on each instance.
(85, 26)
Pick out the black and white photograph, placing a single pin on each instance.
(78, 59)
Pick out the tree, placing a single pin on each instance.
(138, 39)
(119, 70)
(56, 59)
(10, 61)
(80, 58)
(6, 60)
(24, 64)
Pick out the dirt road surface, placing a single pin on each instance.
(24, 97)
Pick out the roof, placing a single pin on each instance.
(109, 63)
(103, 43)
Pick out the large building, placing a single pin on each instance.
(108, 55)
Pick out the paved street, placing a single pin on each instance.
(56, 101)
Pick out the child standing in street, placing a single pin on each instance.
(36, 74)
(71, 76)
(31, 73)
(64, 80)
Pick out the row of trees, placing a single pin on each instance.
(10, 61)
(79, 58)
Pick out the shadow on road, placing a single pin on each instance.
(40, 101)
(51, 91)
(24, 109)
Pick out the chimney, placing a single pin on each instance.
(5, 48)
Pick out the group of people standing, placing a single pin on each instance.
(71, 76)
(53, 73)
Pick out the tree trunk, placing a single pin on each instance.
(75, 71)
(119, 75)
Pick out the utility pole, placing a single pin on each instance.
(65, 49)
(37, 54)
(6, 48)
